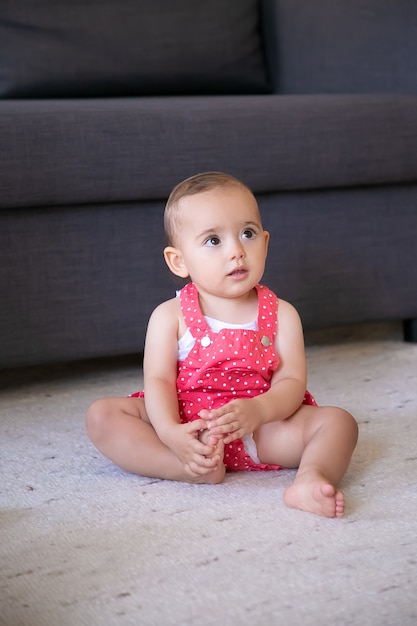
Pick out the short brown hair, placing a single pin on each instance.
(205, 181)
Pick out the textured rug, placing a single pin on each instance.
(83, 543)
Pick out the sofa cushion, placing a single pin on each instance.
(62, 48)
(342, 46)
(61, 152)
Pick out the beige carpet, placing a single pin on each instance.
(82, 543)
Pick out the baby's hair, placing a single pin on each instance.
(205, 181)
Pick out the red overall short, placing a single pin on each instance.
(232, 363)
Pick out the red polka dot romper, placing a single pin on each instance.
(231, 363)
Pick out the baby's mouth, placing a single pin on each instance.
(238, 271)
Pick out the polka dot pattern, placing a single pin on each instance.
(235, 363)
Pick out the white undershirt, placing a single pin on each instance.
(187, 341)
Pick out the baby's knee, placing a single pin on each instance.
(349, 423)
(96, 420)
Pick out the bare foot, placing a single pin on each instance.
(217, 475)
(315, 495)
(205, 437)
(212, 478)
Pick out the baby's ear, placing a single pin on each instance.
(267, 238)
(175, 262)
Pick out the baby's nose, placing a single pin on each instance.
(237, 250)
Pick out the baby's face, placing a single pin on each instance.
(222, 241)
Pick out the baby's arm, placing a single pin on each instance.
(160, 374)
(243, 416)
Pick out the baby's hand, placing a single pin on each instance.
(216, 443)
(199, 458)
(233, 420)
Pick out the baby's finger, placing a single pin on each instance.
(237, 434)
(202, 449)
(214, 414)
(203, 465)
(195, 426)
(224, 425)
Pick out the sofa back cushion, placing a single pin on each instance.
(62, 48)
(341, 46)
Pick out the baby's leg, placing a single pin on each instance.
(320, 442)
(120, 430)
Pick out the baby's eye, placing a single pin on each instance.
(248, 233)
(212, 241)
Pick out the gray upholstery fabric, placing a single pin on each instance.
(83, 180)
(62, 48)
(78, 282)
(81, 282)
(342, 46)
(346, 254)
(80, 151)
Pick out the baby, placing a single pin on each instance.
(224, 365)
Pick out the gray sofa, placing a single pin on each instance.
(105, 106)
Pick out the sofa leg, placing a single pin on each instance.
(410, 330)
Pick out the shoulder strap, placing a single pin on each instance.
(190, 307)
(194, 318)
(267, 311)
